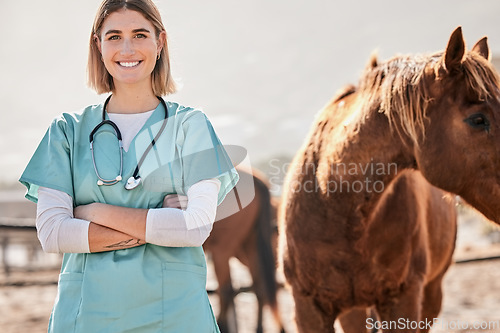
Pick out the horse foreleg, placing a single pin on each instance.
(309, 317)
(227, 315)
(5, 263)
(355, 320)
(260, 328)
(431, 306)
(402, 313)
(227, 320)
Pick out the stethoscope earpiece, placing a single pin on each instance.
(135, 180)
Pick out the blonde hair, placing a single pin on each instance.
(99, 78)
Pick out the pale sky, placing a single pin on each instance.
(260, 69)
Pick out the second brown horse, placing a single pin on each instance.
(245, 232)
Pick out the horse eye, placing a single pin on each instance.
(478, 120)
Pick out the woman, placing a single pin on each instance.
(131, 262)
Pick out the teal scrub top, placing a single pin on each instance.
(148, 288)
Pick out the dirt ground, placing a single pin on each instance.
(471, 291)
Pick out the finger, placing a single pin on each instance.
(183, 202)
(180, 201)
(167, 200)
(175, 201)
(76, 212)
(171, 203)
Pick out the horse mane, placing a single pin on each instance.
(343, 93)
(482, 79)
(398, 89)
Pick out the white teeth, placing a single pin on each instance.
(129, 64)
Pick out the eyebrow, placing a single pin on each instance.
(109, 32)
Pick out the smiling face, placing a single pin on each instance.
(129, 48)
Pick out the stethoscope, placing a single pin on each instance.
(135, 180)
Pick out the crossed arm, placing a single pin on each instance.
(114, 227)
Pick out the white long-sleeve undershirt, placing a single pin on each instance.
(59, 232)
(189, 227)
(57, 229)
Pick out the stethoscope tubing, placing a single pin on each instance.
(133, 181)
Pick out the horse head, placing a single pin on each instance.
(458, 148)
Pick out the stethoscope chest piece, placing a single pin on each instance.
(132, 183)
(135, 180)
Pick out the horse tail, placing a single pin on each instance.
(265, 253)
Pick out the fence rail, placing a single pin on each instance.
(19, 235)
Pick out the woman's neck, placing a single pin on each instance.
(128, 100)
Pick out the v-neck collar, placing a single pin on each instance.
(157, 115)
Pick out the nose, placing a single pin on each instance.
(127, 47)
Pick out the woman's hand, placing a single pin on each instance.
(175, 201)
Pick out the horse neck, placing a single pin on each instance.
(359, 165)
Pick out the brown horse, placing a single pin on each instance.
(360, 226)
(246, 235)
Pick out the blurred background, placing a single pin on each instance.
(259, 69)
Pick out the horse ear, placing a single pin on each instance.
(454, 51)
(373, 62)
(482, 48)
